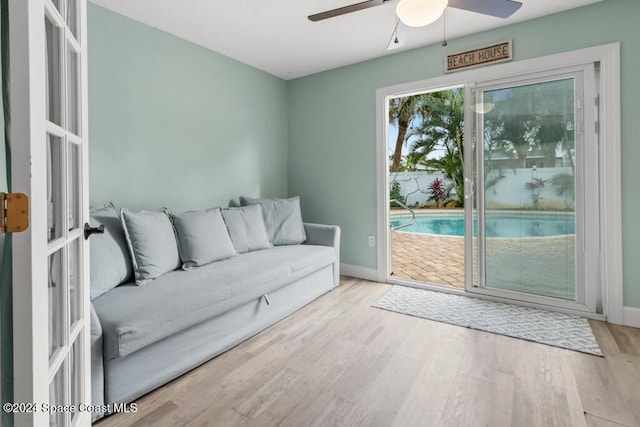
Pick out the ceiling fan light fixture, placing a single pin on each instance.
(418, 13)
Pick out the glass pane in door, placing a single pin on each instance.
(75, 297)
(57, 398)
(56, 301)
(73, 92)
(75, 385)
(57, 4)
(53, 79)
(72, 17)
(73, 187)
(528, 173)
(55, 182)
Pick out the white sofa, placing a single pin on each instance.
(145, 336)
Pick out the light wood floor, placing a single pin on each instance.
(340, 362)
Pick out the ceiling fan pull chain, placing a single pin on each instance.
(394, 35)
(444, 28)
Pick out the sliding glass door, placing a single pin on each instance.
(531, 189)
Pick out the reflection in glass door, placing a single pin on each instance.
(530, 207)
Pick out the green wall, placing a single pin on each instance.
(175, 125)
(332, 140)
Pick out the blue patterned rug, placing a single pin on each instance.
(545, 327)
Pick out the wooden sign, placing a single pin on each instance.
(499, 52)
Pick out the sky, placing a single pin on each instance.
(392, 134)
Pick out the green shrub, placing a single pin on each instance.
(396, 194)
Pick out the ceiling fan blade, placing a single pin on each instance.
(497, 8)
(346, 9)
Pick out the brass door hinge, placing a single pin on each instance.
(14, 212)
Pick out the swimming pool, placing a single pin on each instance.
(496, 224)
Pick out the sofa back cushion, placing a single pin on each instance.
(110, 259)
(152, 242)
(246, 228)
(202, 237)
(283, 219)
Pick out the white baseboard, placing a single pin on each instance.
(632, 317)
(359, 272)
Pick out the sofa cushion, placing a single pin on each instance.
(246, 228)
(133, 317)
(110, 259)
(152, 243)
(283, 219)
(202, 237)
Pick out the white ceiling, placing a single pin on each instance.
(275, 36)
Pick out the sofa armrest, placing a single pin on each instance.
(325, 235)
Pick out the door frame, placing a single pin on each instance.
(29, 175)
(610, 196)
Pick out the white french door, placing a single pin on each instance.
(48, 139)
(532, 179)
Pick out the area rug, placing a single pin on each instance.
(545, 327)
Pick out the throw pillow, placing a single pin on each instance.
(246, 228)
(152, 242)
(202, 237)
(110, 259)
(282, 218)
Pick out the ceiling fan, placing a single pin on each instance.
(418, 13)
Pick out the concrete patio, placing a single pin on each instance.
(536, 265)
(428, 258)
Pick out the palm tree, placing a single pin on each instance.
(443, 128)
(402, 112)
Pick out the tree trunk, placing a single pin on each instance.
(403, 125)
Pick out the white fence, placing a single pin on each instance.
(414, 186)
(508, 192)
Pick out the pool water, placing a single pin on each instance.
(496, 224)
